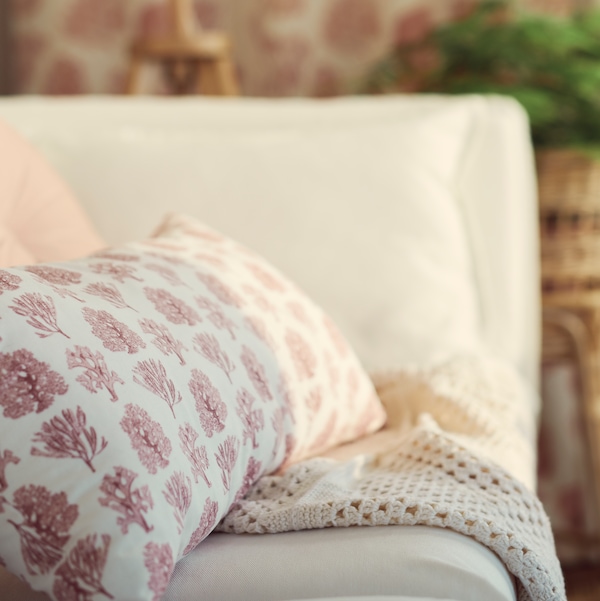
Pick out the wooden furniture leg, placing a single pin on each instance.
(582, 335)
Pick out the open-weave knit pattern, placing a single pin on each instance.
(448, 465)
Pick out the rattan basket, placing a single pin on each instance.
(569, 206)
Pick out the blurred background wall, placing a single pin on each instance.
(282, 47)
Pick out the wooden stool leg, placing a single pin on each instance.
(586, 344)
(207, 79)
(592, 409)
(132, 84)
(226, 78)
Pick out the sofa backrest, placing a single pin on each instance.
(412, 220)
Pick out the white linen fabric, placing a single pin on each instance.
(397, 188)
(396, 561)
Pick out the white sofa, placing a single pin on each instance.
(411, 220)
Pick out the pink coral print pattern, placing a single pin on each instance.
(265, 278)
(158, 560)
(211, 409)
(207, 523)
(115, 335)
(168, 274)
(252, 419)
(147, 438)
(67, 435)
(26, 384)
(131, 503)
(152, 375)
(174, 309)
(179, 495)
(256, 373)
(226, 459)
(109, 293)
(119, 272)
(253, 472)
(55, 275)
(164, 395)
(40, 312)
(6, 457)
(197, 456)
(44, 531)
(163, 339)
(221, 290)
(96, 374)
(304, 359)
(216, 315)
(80, 576)
(208, 346)
(8, 281)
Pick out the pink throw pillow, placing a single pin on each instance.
(40, 220)
(143, 390)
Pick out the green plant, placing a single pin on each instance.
(550, 65)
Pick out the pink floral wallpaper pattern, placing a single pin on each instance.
(282, 47)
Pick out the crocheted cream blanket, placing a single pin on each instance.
(458, 452)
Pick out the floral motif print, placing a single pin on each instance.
(256, 373)
(197, 456)
(207, 522)
(152, 375)
(164, 341)
(267, 279)
(40, 312)
(179, 494)
(79, 578)
(130, 502)
(6, 457)
(44, 531)
(302, 355)
(208, 346)
(252, 474)
(147, 438)
(170, 275)
(109, 292)
(67, 436)
(253, 419)
(174, 309)
(158, 560)
(115, 335)
(216, 315)
(55, 275)
(226, 459)
(96, 373)
(223, 292)
(26, 384)
(120, 272)
(210, 407)
(8, 281)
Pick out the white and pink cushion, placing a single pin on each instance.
(40, 220)
(142, 391)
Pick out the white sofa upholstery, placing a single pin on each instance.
(410, 219)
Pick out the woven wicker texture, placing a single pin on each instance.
(569, 197)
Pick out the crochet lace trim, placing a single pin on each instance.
(462, 459)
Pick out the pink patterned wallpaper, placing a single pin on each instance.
(282, 47)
